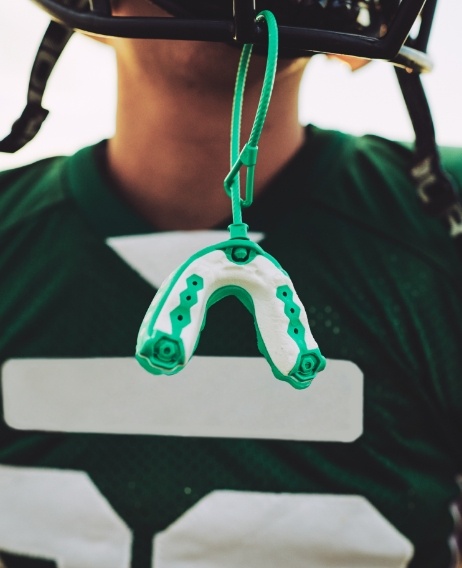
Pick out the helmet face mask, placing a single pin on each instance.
(371, 18)
(371, 29)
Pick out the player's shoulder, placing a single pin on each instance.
(364, 177)
(388, 164)
(365, 182)
(30, 190)
(363, 158)
(370, 153)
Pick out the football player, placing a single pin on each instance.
(105, 466)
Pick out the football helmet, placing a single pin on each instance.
(373, 29)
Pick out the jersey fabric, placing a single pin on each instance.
(381, 284)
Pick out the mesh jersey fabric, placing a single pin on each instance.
(381, 285)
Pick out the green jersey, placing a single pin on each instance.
(105, 466)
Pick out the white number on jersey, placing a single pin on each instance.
(61, 515)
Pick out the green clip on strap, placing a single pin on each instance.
(171, 328)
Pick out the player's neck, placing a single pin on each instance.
(170, 153)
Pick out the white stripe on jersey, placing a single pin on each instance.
(234, 397)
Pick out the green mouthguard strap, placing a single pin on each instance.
(248, 155)
(171, 328)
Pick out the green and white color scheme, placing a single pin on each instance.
(222, 465)
(170, 330)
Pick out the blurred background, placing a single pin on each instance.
(81, 91)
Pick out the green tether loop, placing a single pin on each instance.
(248, 155)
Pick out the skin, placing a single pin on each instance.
(170, 151)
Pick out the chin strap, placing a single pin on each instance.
(33, 115)
(436, 191)
(29, 123)
(171, 328)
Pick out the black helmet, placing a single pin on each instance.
(373, 29)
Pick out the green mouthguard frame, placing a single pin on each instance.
(171, 328)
